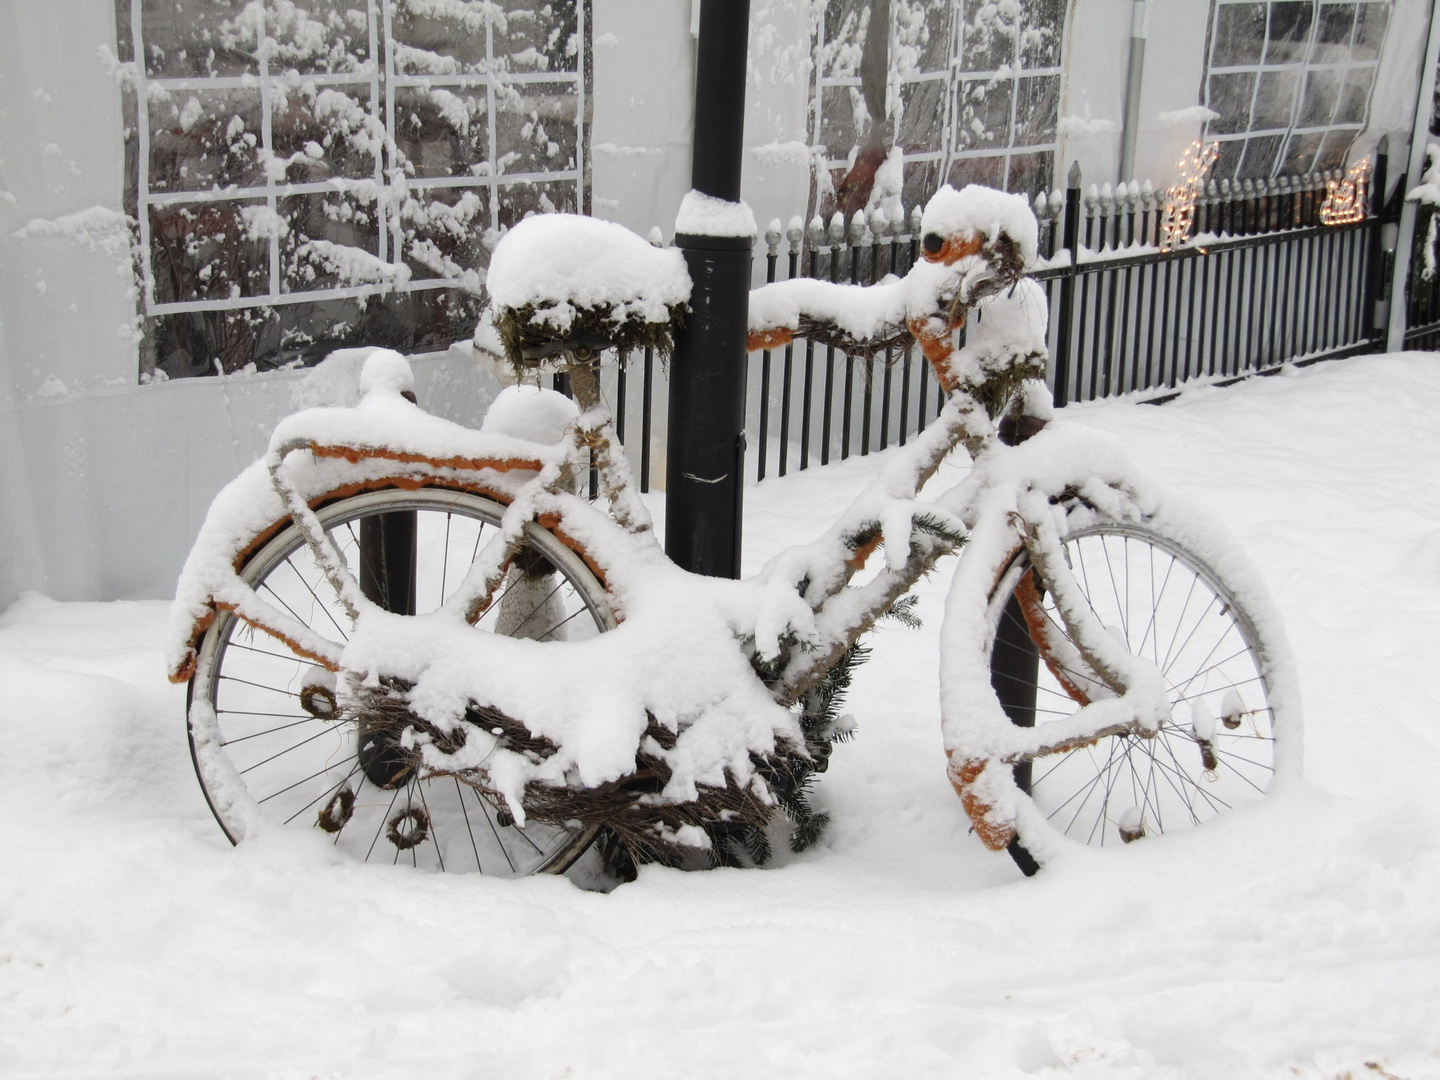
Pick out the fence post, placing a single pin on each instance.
(1065, 308)
(1375, 268)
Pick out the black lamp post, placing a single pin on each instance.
(706, 444)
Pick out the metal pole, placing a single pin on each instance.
(704, 470)
(1399, 307)
(1139, 31)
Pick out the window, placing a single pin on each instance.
(972, 90)
(1291, 81)
(309, 174)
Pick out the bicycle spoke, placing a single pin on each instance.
(434, 831)
(282, 753)
(496, 831)
(469, 829)
(267, 731)
(381, 827)
(327, 792)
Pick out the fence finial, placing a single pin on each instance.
(1072, 179)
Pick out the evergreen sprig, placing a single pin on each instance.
(903, 612)
(934, 525)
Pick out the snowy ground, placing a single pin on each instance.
(1299, 939)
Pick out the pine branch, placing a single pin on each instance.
(934, 525)
(903, 612)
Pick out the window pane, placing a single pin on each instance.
(444, 233)
(922, 35)
(1030, 173)
(844, 39)
(332, 242)
(922, 124)
(1041, 32)
(1370, 22)
(182, 43)
(520, 200)
(535, 127)
(1336, 150)
(1300, 153)
(1227, 162)
(538, 38)
(432, 39)
(209, 251)
(1322, 91)
(1037, 109)
(989, 171)
(322, 134)
(922, 179)
(1289, 32)
(988, 35)
(1275, 99)
(443, 131)
(1260, 156)
(202, 342)
(984, 109)
(1230, 96)
(1239, 35)
(204, 139)
(838, 127)
(1355, 96)
(312, 37)
(1332, 35)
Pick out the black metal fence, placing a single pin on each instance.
(1262, 282)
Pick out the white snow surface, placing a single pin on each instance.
(561, 262)
(1294, 939)
(706, 215)
(983, 210)
(1192, 114)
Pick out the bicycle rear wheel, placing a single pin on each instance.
(1217, 750)
(266, 743)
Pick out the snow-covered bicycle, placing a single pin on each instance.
(424, 642)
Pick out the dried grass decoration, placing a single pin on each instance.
(561, 283)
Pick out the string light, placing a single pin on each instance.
(1180, 197)
(1345, 199)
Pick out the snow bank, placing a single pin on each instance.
(1295, 939)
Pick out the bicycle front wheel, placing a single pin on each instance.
(1218, 748)
(264, 727)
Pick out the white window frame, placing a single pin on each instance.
(1303, 67)
(367, 77)
(954, 76)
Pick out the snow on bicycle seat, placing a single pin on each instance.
(566, 283)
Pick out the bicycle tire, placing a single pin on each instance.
(263, 756)
(1172, 607)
